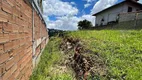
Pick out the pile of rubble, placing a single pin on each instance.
(84, 62)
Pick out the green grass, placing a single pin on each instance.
(49, 59)
(121, 50)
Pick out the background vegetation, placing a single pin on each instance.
(85, 24)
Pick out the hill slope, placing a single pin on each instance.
(121, 51)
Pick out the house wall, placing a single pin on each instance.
(17, 39)
(109, 15)
(112, 14)
(134, 6)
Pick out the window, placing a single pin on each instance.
(137, 9)
(130, 9)
(103, 20)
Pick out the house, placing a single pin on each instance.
(111, 14)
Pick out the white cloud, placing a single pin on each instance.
(87, 5)
(69, 22)
(58, 8)
(64, 23)
(102, 4)
(66, 14)
(140, 1)
(89, 1)
(73, 3)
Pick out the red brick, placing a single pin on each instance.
(23, 35)
(22, 78)
(11, 77)
(21, 63)
(19, 76)
(19, 21)
(12, 19)
(1, 26)
(6, 75)
(27, 46)
(22, 3)
(23, 71)
(4, 17)
(26, 29)
(16, 12)
(4, 38)
(7, 27)
(25, 18)
(29, 49)
(9, 63)
(1, 78)
(21, 55)
(8, 46)
(16, 43)
(11, 2)
(1, 48)
(16, 73)
(16, 58)
(10, 72)
(17, 51)
(21, 29)
(12, 36)
(6, 7)
(18, 8)
(28, 13)
(4, 57)
(15, 28)
(14, 68)
(18, 35)
(18, 3)
(11, 53)
(2, 69)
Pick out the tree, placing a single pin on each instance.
(85, 24)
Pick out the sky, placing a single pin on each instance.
(65, 14)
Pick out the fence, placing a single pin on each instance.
(132, 19)
(23, 36)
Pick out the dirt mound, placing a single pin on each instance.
(85, 63)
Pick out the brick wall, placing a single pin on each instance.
(17, 39)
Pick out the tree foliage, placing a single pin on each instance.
(85, 24)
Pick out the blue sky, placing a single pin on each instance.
(65, 14)
(80, 6)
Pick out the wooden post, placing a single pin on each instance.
(136, 18)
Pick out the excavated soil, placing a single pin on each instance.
(85, 63)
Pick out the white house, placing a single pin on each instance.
(111, 14)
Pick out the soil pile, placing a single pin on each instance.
(85, 63)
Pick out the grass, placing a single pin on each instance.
(121, 50)
(46, 69)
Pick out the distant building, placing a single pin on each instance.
(111, 14)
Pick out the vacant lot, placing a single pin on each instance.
(121, 51)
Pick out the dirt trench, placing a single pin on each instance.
(86, 64)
